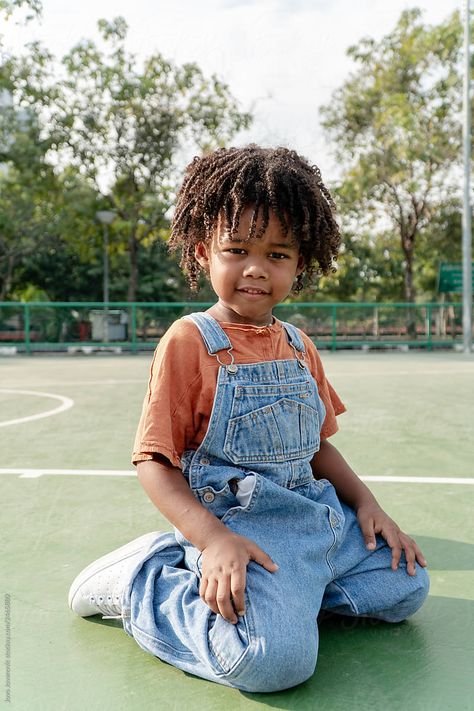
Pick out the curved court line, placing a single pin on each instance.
(26, 473)
(66, 404)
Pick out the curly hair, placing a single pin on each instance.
(228, 180)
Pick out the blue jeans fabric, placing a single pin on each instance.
(265, 422)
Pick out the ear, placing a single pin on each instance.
(201, 254)
(300, 266)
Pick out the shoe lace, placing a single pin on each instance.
(108, 605)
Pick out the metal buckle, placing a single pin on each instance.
(230, 367)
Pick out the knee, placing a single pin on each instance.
(412, 601)
(280, 663)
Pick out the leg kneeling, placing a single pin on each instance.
(279, 663)
(412, 602)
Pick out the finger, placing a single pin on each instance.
(202, 589)
(256, 554)
(223, 600)
(408, 547)
(414, 556)
(420, 557)
(237, 588)
(367, 528)
(210, 595)
(394, 542)
(396, 555)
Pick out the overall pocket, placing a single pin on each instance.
(280, 430)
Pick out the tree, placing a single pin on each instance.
(395, 126)
(67, 263)
(27, 181)
(441, 241)
(27, 191)
(104, 125)
(9, 7)
(127, 124)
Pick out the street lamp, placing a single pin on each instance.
(106, 217)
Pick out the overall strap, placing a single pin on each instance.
(214, 337)
(294, 337)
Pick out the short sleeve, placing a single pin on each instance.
(333, 404)
(171, 413)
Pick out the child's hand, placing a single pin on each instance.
(372, 519)
(224, 572)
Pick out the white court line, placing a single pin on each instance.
(420, 479)
(35, 473)
(66, 403)
(109, 381)
(336, 374)
(25, 473)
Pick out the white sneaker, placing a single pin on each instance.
(98, 589)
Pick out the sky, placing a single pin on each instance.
(281, 58)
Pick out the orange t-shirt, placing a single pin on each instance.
(182, 384)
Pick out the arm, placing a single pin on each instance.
(225, 555)
(329, 464)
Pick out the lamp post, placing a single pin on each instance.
(106, 217)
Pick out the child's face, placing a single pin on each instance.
(250, 277)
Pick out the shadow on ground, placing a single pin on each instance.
(420, 664)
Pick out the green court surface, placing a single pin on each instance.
(68, 495)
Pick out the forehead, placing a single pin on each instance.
(274, 231)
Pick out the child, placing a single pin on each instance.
(271, 524)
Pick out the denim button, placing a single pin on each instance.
(205, 461)
(208, 497)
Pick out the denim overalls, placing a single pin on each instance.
(265, 424)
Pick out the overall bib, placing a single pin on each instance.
(264, 428)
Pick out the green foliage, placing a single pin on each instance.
(27, 192)
(395, 127)
(441, 241)
(130, 122)
(10, 7)
(108, 125)
(103, 131)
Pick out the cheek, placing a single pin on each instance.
(288, 274)
(218, 275)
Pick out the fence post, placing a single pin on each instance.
(334, 327)
(428, 323)
(134, 327)
(26, 326)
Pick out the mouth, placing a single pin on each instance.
(252, 291)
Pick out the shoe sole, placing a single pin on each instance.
(119, 554)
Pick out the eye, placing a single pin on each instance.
(235, 250)
(279, 255)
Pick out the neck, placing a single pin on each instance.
(221, 312)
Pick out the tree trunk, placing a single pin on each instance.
(410, 292)
(408, 244)
(6, 282)
(133, 246)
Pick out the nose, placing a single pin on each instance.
(255, 268)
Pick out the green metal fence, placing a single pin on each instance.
(89, 326)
